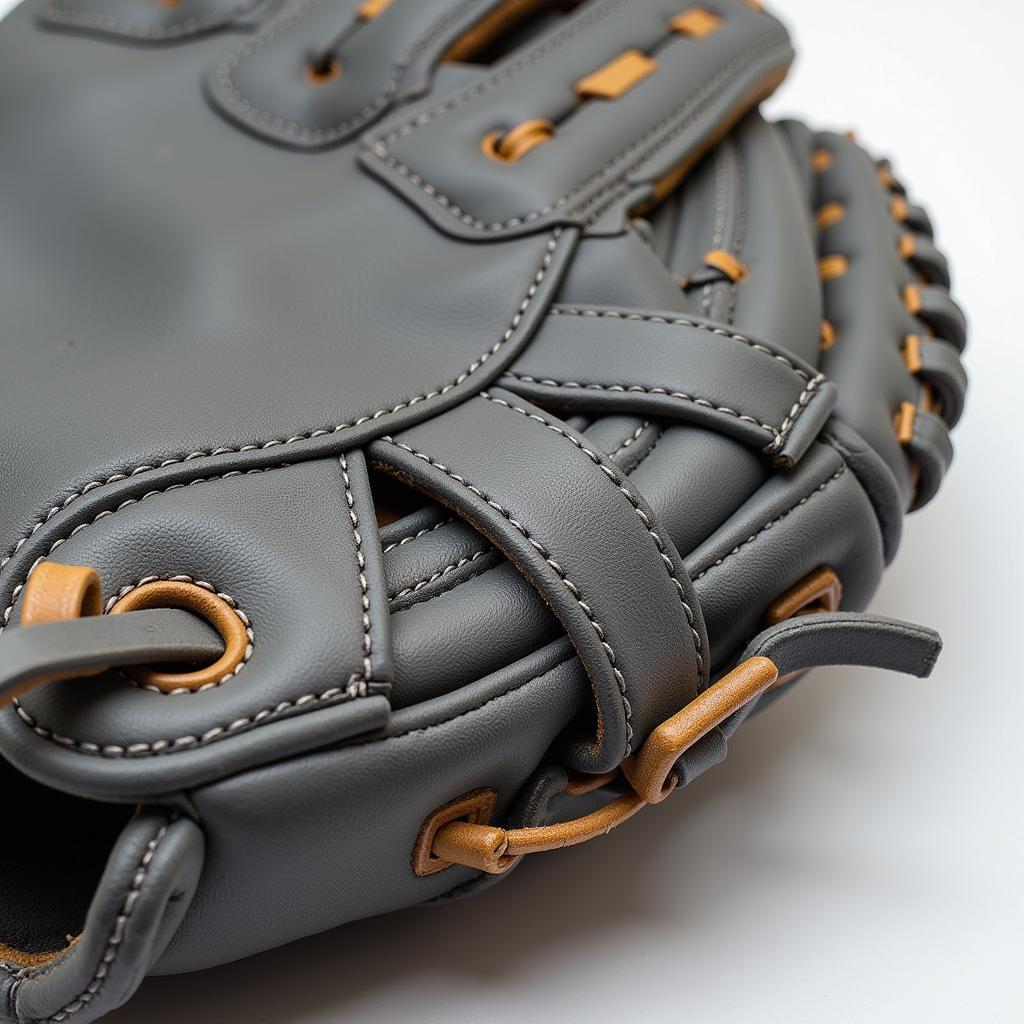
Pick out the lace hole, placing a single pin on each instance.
(326, 69)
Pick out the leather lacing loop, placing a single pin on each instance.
(608, 83)
(649, 773)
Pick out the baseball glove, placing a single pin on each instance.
(429, 429)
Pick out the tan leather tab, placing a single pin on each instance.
(821, 160)
(370, 9)
(898, 208)
(905, 419)
(912, 299)
(728, 264)
(617, 77)
(819, 591)
(204, 603)
(907, 245)
(912, 353)
(829, 214)
(476, 808)
(828, 335)
(831, 267)
(56, 592)
(696, 22)
(490, 28)
(650, 770)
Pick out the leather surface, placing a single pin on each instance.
(497, 468)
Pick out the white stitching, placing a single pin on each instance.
(772, 522)
(361, 563)
(639, 389)
(434, 577)
(416, 536)
(88, 19)
(778, 433)
(6, 617)
(356, 687)
(631, 440)
(613, 475)
(692, 109)
(609, 651)
(241, 105)
(115, 942)
(721, 332)
(531, 292)
(226, 598)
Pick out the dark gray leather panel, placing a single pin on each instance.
(245, 318)
(346, 820)
(282, 545)
(432, 154)
(266, 86)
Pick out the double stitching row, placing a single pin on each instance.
(228, 91)
(612, 474)
(364, 589)
(473, 368)
(606, 647)
(61, 15)
(692, 108)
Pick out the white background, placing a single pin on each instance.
(859, 856)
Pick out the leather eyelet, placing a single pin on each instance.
(508, 147)
(207, 605)
(323, 71)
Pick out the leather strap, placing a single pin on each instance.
(34, 655)
(585, 539)
(693, 370)
(662, 762)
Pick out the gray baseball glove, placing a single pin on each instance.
(430, 428)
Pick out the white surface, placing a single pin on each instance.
(859, 855)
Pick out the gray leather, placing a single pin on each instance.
(145, 638)
(141, 900)
(498, 472)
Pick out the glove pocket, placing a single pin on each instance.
(283, 562)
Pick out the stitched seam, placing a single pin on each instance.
(647, 454)
(89, 19)
(478, 707)
(364, 589)
(416, 536)
(689, 111)
(718, 234)
(613, 475)
(233, 97)
(434, 577)
(606, 647)
(356, 687)
(531, 292)
(720, 332)
(631, 439)
(640, 389)
(772, 522)
(6, 617)
(226, 598)
(115, 942)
